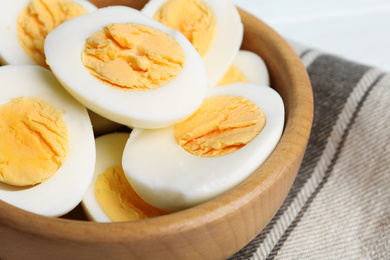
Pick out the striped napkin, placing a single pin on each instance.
(339, 205)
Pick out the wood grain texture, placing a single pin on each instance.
(214, 230)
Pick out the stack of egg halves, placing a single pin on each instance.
(140, 113)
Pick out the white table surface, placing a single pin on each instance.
(357, 30)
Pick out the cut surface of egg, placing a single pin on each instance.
(155, 108)
(24, 25)
(248, 67)
(213, 26)
(110, 196)
(169, 177)
(47, 152)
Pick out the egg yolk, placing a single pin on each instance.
(222, 125)
(233, 75)
(193, 18)
(118, 199)
(38, 19)
(133, 56)
(33, 141)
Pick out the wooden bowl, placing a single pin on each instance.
(214, 230)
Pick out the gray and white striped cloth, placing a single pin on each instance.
(339, 205)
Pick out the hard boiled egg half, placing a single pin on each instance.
(213, 26)
(24, 25)
(248, 67)
(127, 67)
(47, 149)
(110, 197)
(227, 139)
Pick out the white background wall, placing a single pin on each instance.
(358, 30)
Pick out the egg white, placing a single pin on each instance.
(109, 151)
(156, 108)
(11, 53)
(227, 40)
(168, 177)
(252, 66)
(64, 190)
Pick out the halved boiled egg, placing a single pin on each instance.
(248, 67)
(229, 137)
(110, 196)
(24, 25)
(47, 149)
(127, 67)
(213, 26)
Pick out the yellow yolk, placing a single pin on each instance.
(33, 141)
(233, 75)
(193, 18)
(38, 19)
(222, 125)
(118, 199)
(133, 57)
